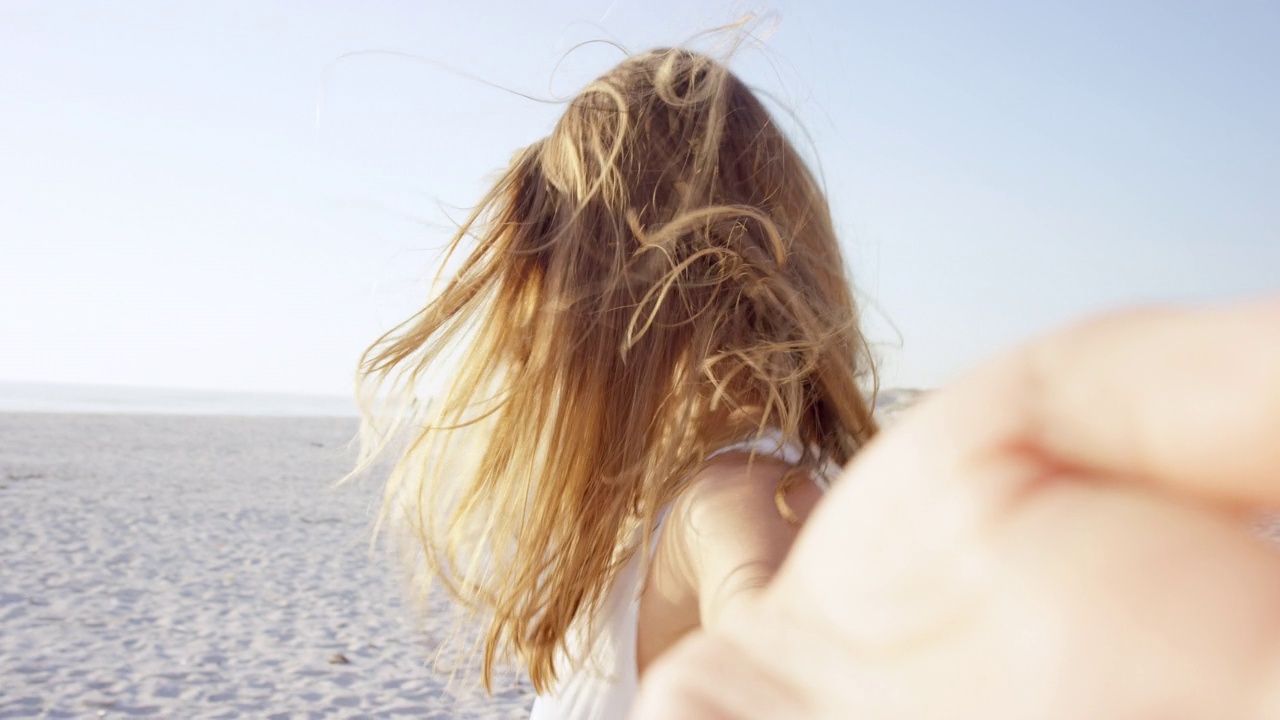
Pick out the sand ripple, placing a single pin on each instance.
(203, 567)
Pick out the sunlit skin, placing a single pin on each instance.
(723, 542)
(1063, 533)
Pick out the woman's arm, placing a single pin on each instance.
(729, 529)
(1069, 546)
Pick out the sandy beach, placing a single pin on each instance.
(204, 567)
(210, 567)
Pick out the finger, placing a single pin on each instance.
(1177, 399)
(1185, 399)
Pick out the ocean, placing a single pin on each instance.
(120, 400)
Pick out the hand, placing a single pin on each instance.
(1062, 534)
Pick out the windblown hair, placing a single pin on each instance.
(662, 263)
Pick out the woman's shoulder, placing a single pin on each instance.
(726, 534)
(736, 487)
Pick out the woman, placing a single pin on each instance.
(658, 363)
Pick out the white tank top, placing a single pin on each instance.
(605, 681)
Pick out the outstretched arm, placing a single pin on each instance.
(1056, 536)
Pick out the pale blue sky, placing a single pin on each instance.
(212, 196)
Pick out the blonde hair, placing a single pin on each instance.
(661, 262)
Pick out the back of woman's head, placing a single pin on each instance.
(656, 278)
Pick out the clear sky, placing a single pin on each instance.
(240, 195)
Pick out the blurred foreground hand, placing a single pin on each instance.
(1065, 533)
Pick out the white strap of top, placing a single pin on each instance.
(769, 442)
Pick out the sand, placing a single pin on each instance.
(204, 567)
(207, 567)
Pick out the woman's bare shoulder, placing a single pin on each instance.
(736, 488)
(730, 530)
